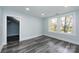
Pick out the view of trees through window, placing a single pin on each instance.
(53, 25)
(66, 24)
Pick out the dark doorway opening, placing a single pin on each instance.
(12, 31)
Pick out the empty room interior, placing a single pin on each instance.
(39, 29)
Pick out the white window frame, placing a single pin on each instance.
(59, 24)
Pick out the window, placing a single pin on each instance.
(66, 24)
(62, 24)
(53, 25)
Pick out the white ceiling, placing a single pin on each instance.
(48, 10)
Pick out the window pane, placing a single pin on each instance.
(66, 24)
(53, 25)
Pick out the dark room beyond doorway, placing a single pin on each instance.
(12, 31)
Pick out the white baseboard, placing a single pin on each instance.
(27, 38)
(64, 39)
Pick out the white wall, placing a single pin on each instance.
(1, 30)
(29, 26)
(0, 27)
(66, 37)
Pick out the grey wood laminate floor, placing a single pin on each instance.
(41, 44)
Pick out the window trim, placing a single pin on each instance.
(59, 24)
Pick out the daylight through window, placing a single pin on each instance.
(64, 24)
(53, 25)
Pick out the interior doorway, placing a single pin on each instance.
(12, 31)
